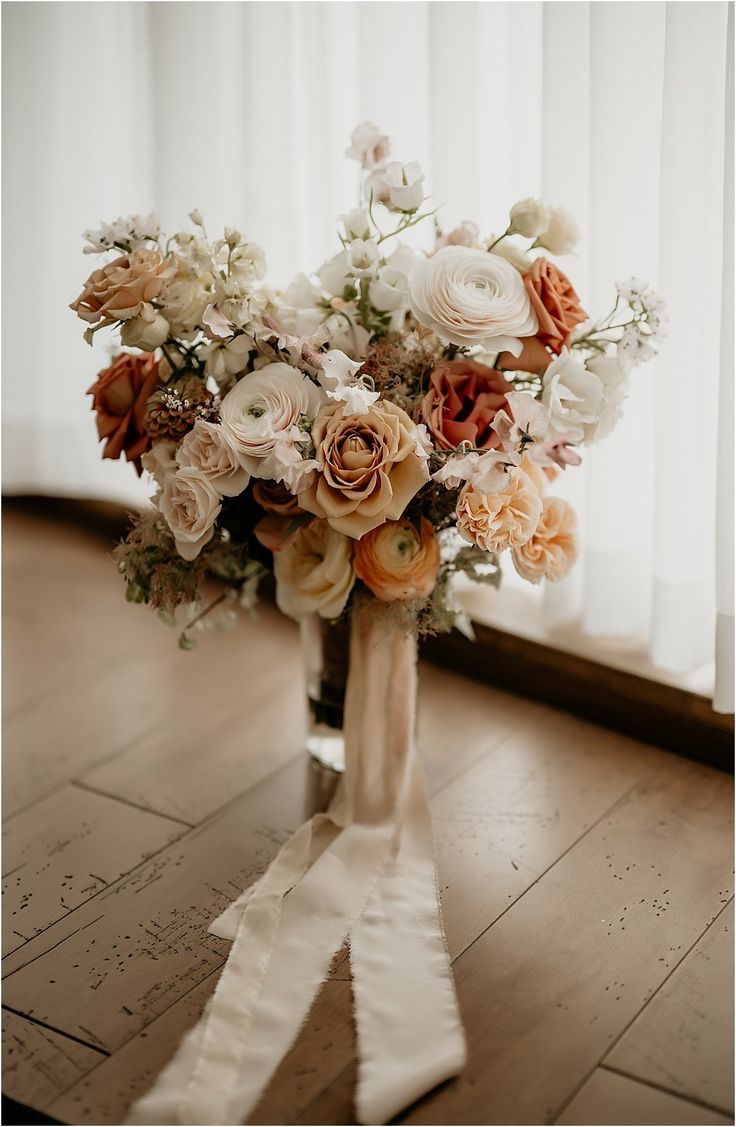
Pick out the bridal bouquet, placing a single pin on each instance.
(392, 419)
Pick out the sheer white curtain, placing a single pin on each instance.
(244, 110)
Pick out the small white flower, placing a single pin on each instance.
(634, 348)
(526, 420)
(357, 224)
(369, 146)
(363, 257)
(389, 290)
(562, 233)
(529, 217)
(337, 377)
(405, 185)
(376, 188)
(336, 274)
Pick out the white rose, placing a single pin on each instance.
(208, 448)
(572, 394)
(369, 145)
(470, 297)
(405, 185)
(190, 505)
(139, 332)
(263, 411)
(362, 257)
(357, 224)
(314, 571)
(615, 383)
(529, 217)
(562, 233)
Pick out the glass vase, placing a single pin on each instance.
(326, 654)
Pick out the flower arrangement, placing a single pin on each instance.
(394, 419)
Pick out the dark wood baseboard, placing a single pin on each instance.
(656, 713)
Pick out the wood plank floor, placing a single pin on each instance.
(587, 879)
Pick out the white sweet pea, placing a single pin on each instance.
(572, 394)
(337, 377)
(562, 232)
(369, 146)
(525, 421)
(422, 441)
(529, 217)
(389, 291)
(363, 257)
(357, 224)
(405, 185)
(226, 358)
(486, 471)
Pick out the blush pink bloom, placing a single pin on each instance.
(462, 403)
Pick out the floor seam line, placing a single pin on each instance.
(104, 1053)
(667, 1091)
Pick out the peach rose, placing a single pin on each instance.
(370, 467)
(462, 402)
(555, 303)
(119, 396)
(274, 497)
(504, 519)
(123, 288)
(553, 547)
(397, 562)
(314, 572)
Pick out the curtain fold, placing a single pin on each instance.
(244, 110)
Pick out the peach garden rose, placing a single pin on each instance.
(552, 549)
(124, 288)
(505, 518)
(395, 561)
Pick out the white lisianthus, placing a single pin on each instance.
(363, 257)
(264, 411)
(337, 377)
(314, 571)
(470, 297)
(369, 146)
(357, 224)
(190, 505)
(389, 290)
(572, 394)
(405, 185)
(562, 233)
(144, 333)
(529, 217)
(615, 383)
(208, 448)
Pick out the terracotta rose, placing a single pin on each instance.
(120, 395)
(122, 288)
(555, 303)
(462, 402)
(370, 467)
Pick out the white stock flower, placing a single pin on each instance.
(470, 297)
(144, 333)
(405, 185)
(208, 448)
(529, 217)
(357, 224)
(562, 232)
(190, 505)
(369, 146)
(265, 411)
(362, 257)
(615, 384)
(572, 394)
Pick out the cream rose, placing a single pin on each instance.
(395, 561)
(124, 288)
(572, 394)
(503, 519)
(263, 412)
(190, 505)
(470, 297)
(370, 467)
(144, 333)
(209, 449)
(314, 572)
(552, 549)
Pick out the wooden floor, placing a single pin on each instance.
(586, 879)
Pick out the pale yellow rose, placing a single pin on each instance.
(503, 519)
(553, 547)
(369, 467)
(314, 571)
(396, 561)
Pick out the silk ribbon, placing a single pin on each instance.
(363, 872)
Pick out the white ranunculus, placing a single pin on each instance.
(264, 411)
(572, 394)
(357, 224)
(363, 257)
(208, 448)
(529, 217)
(314, 571)
(470, 297)
(615, 383)
(389, 291)
(139, 332)
(405, 185)
(190, 505)
(562, 232)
